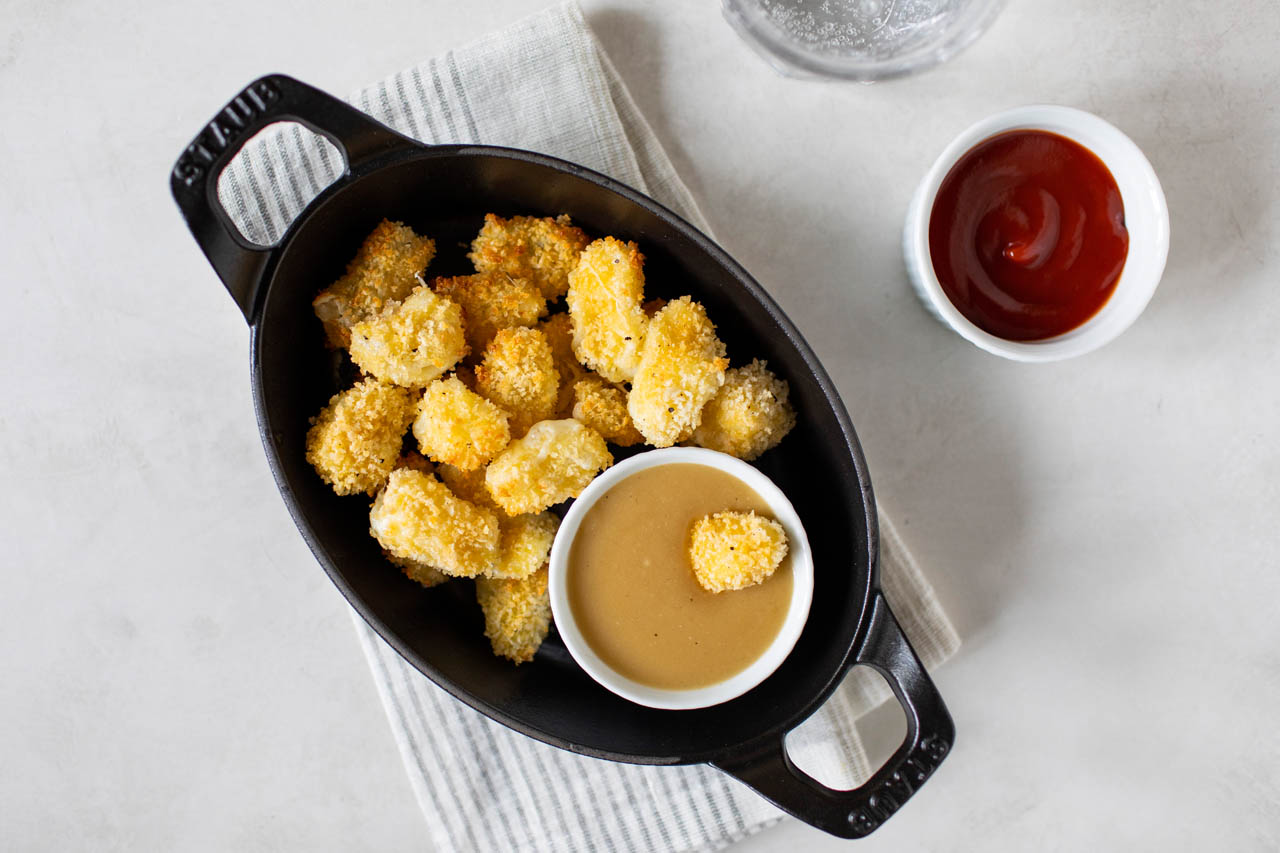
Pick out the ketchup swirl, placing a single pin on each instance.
(1027, 235)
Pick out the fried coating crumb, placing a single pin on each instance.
(382, 271)
(412, 342)
(558, 329)
(524, 540)
(554, 462)
(524, 544)
(602, 406)
(416, 517)
(748, 415)
(517, 614)
(518, 373)
(606, 289)
(541, 250)
(469, 485)
(491, 301)
(458, 426)
(735, 550)
(682, 366)
(355, 440)
(422, 573)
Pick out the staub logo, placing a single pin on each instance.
(223, 130)
(896, 788)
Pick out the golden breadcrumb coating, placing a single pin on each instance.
(541, 250)
(412, 342)
(606, 290)
(355, 440)
(469, 485)
(416, 517)
(734, 550)
(602, 406)
(554, 462)
(518, 373)
(382, 271)
(558, 329)
(681, 368)
(491, 301)
(517, 614)
(748, 415)
(524, 544)
(524, 540)
(423, 573)
(458, 426)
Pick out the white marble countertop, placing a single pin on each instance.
(178, 674)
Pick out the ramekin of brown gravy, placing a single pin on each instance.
(625, 599)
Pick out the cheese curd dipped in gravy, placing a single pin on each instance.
(633, 592)
(1027, 235)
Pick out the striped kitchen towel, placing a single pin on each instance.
(544, 84)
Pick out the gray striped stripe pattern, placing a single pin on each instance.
(543, 84)
(484, 787)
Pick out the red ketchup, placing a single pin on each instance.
(1027, 235)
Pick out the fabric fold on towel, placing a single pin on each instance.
(544, 84)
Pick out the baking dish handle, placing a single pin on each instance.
(858, 812)
(274, 98)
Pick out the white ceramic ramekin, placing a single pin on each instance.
(1145, 211)
(701, 697)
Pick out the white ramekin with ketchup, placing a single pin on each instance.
(1039, 234)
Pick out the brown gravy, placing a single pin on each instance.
(633, 593)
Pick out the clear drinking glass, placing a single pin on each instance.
(863, 40)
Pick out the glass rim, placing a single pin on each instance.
(788, 57)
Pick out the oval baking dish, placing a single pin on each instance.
(443, 191)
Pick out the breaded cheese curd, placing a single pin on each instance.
(524, 544)
(416, 517)
(553, 462)
(748, 415)
(355, 440)
(524, 541)
(422, 573)
(469, 485)
(492, 301)
(558, 330)
(682, 367)
(735, 550)
(517, 614)
(606, 290)
(602, 406)
(412, 342)
(542, 250)
(457, 426)
(382, 271)
(518, 373)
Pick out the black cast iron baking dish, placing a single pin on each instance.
(443, 191)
